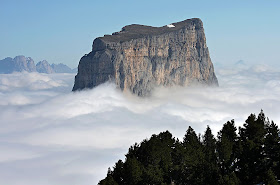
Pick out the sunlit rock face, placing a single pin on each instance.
(139, 58)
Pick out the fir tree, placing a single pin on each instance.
(193, 158)
(272, 149)
(211, 173)
(227, 152)
(252, 157)
(109, 180)
(252, 160)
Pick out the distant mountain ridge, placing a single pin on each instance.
(22, 63)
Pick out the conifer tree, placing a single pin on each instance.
(211, 173)
(109, 180)
(178, 161)
(272, 149)
(118, 172)
(227, 152)
(133, 171)
(193, 158)
(252, 159)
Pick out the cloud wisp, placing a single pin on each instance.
(50, 135)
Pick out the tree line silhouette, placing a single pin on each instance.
(250, 156)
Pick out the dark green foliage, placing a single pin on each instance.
(272, 148)
(210, 171)
(250, 157)
(270, 178)
(133, 171)
(193, 159)
(109, 180)
(227, 153)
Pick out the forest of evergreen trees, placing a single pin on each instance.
(249, 156)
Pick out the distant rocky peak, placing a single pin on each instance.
(61, 68)
(29, 59)
(20, 57)
(44, 67)
(44, 62)
(21, 63)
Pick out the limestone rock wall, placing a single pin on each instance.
(140, 58)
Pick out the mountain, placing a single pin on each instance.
(62, 68)
(22, 63)
(44, 67)
(139, 58)
(17, 64)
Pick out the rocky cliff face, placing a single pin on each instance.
(139, 58)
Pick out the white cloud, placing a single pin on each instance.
(12, 153)
(49, 135)
(33, 81)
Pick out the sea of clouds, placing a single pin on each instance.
(50, 135)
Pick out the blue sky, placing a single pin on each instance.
(63, 31)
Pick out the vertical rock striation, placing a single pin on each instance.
(139, 58)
